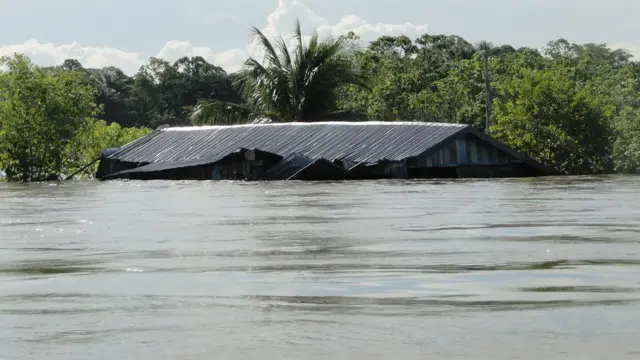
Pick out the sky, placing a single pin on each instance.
(126, 33)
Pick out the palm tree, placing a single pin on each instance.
(298, 85)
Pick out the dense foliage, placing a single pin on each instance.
(47, 122)
(574, 107)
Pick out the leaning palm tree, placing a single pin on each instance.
(298, 85)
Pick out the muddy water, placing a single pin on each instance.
(511, 269)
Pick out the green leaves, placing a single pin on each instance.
(47, 121)
(555, 120)
(42, 110)
(626, 146)
(96, 137)
(575, 109)
(223, 113)
(436, 79)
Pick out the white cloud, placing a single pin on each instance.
(230, 60)
(50, 54)
(279, 22)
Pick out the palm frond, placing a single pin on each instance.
(286, 62)
(266, 87)
(344, 115)
(216, 112)
(298, 37)
(271, 56)
(330, 69)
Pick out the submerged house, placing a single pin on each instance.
(316, 151)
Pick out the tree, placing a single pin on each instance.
(165, 94)
(41, 112)
(395, 74)
(300, 84)
(456, 98)
(440, 51)
(390, 45)
(96, 137)
(555, 120)
(113, 89)
(71, 64)
(435, 78)
(626, 146)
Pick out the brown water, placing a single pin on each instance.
(512, 269)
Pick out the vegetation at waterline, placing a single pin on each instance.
(572, 106)
(48, 123)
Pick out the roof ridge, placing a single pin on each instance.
(343, 123)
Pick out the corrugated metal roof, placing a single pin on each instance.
(356, 142)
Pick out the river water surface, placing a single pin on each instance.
(510, 269)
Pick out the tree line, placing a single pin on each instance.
(575, 107)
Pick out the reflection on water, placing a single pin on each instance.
(492, 269)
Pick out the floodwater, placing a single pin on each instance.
(511, 269)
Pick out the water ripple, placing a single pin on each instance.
(468, 269)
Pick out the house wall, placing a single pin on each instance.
(468, 150)
(249, 165)
(240, 170)
(383, 170)
(468, 157)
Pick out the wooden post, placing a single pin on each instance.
(81, 170)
